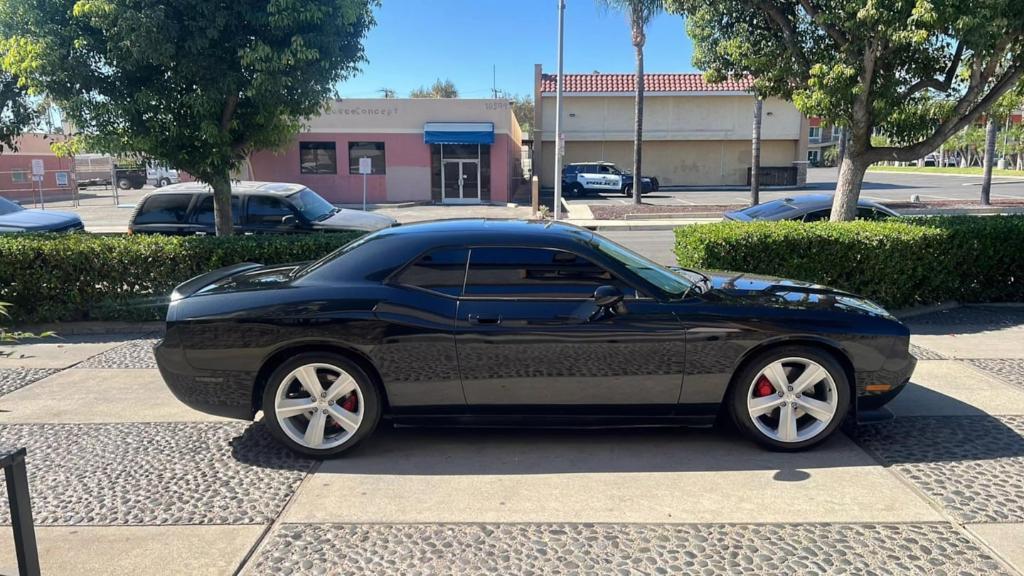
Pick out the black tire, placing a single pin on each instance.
(371, 402)
(655, 185)
(627, 190)
(576, 191)
(163, 182)
(124, 183)
(743, 382)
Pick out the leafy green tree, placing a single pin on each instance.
(916, 71)
(640, 14)
(439, 89)
(522, 106)
(16, 113)
(192, 83)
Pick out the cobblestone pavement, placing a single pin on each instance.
(544, 549)
(13, 378)
(132, 354)
(1007, 370)
(962, 473)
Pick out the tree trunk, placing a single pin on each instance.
(990, 156)
(221, 185)
(755, 155)
(851, 178)
(638, 128)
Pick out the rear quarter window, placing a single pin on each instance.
(164, 209)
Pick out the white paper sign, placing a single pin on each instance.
(37, 167)
(365, 166)
(62, 179)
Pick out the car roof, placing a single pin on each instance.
(586, 163)
(242, 187)
(810, 202)
(485, 230)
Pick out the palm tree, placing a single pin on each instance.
(640, 13)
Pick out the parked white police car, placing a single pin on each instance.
(581, 178)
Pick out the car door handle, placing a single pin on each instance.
(483, 319)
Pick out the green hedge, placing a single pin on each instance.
(898, 263)
(51, 278)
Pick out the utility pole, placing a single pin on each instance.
(558, 115)
(755, 154)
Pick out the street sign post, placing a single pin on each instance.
(365, 167)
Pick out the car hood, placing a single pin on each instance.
(744, 288)
(346, 219)
(37, 220)
(237, 278)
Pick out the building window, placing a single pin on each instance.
(19, 176)
(318, 158)
(813, 156)
(372, 150)
(836, 132)
(814, 132)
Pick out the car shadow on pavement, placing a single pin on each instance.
(973, 319)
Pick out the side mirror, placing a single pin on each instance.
(289, 220)
(607, 296)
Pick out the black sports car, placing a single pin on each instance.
(522, 323)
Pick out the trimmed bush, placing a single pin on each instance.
(898, 263)
(56, 278)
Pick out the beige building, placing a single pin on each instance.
(695, 133)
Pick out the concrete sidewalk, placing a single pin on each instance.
(126, 480)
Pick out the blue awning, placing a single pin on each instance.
(458, 133)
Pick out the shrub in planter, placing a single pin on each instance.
(898, 263)
(53, 278)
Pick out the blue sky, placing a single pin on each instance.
(417, 41)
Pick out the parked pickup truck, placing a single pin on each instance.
(582, 178)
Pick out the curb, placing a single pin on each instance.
(97, 328)
(922, 310)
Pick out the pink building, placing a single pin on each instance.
(427, 150)
(16, 180)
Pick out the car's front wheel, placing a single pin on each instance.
(790, 398)
(320, 404)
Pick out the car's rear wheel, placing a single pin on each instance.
(320, 404)
(627, 190)
(575, 191)
(790, 398)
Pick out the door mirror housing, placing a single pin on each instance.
(607, 296)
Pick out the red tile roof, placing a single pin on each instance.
(597, 83)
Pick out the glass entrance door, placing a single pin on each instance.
(460, 181)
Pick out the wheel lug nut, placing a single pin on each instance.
(780, 394)
(789, 388)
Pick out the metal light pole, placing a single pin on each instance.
(558, 115)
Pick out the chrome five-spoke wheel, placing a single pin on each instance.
(792, 398)
(320, 404)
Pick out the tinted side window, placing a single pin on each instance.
(203, 213)
(441, 271)
(534, 273)
(870, 214)
(267, 209)
(164, 209)
(818, 215)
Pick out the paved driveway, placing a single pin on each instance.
(126, 480)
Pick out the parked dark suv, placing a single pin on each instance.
(256, 207)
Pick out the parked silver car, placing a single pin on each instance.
(256, 207)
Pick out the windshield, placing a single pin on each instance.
(8, 207)
(655, 273)
(769, 209)
(311, 205)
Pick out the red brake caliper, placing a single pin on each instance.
(763, 387)
(351, 403)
